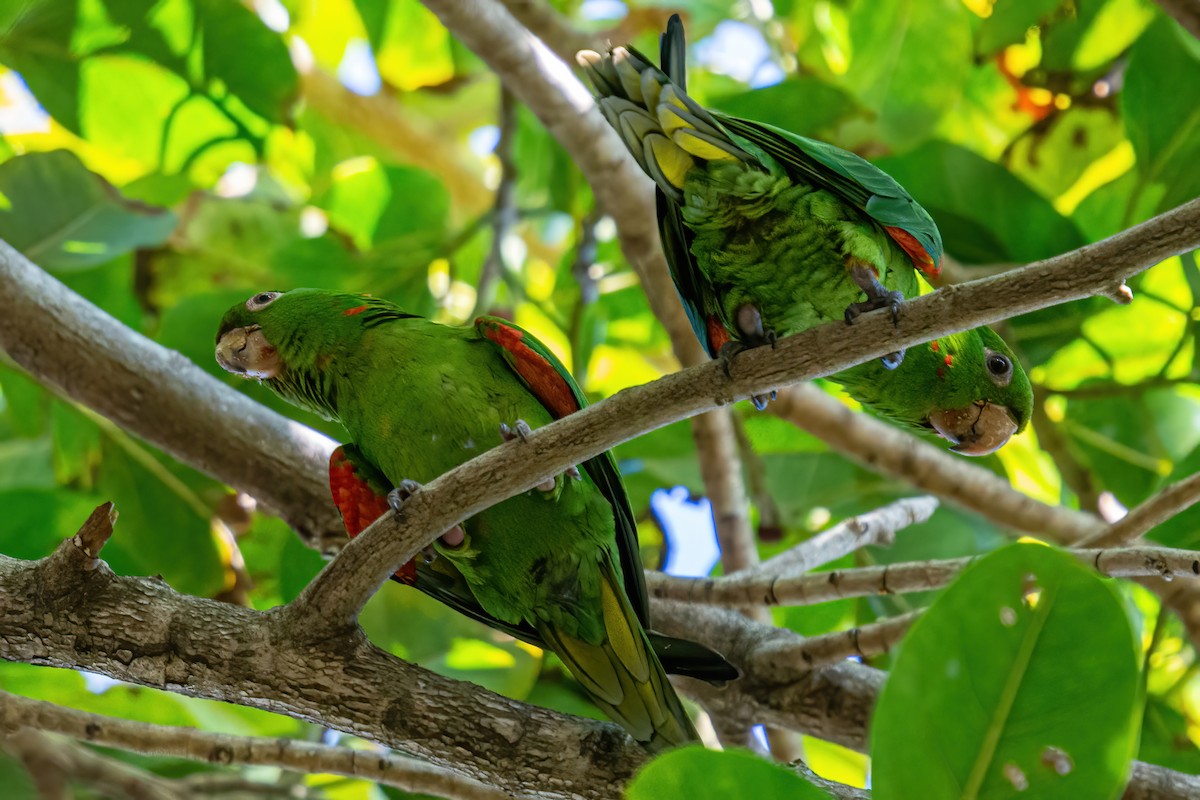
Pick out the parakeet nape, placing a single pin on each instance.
(768, 233)
(558, 565)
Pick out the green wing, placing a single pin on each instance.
(852, 178)
(550, 382)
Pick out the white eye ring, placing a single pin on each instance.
(261, 300)
(999, 367)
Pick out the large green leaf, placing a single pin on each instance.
(910, 61)
(163, 529)
(1009, 22)
(698, 774)
(803, 105)
(62, 216)
(35, 40)
(994, 694)
(251, 60)
(955, 184)
(1163, 116)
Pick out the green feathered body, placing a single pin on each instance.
(441, 394)
(419, 399)
(746, 223)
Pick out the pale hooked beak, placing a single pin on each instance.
(246, 351)
(977, 430)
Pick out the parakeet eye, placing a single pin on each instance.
(999, 366)
(261, 300)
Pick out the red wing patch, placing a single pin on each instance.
(718, 335)
(543, 379)
(350, 312)
(909, 244)
(360, 505)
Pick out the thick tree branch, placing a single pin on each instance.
(68, 610)
(888, 450)
(73, 612)
(218, 748)
(65, 341)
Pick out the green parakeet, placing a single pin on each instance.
(558, 565)
(768, 233)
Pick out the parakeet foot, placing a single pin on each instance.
(403, 493)
(750, 327)
(521, 430)
(878, 296)
(726, 355)
(892, 360)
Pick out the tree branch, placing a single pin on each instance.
(53, 764)
(1152, 512)
(892, 452)
(772, 588)
(139, 630)
(876, 527)
(68, 610)
(218, 748)
(66, 342)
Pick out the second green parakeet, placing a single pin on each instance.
(768, 233)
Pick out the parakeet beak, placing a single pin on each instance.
(246, 351)
(976, 430)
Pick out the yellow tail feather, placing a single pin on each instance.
(621, 673)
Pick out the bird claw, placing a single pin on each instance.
(878, 295)
(398, 497)
(729, 351)
(892, 360)
(518, 430)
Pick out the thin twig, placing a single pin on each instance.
(774, 660)
(775, 589)
(876, 527)
(504, 214)
(53, 764)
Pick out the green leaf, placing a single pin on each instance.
(994, 694)
(1009, 22)
(911, 60)
(1088, 35)
(62, 216)
(374, 203)
(1163, 116)
(412, 48)
(35, 521)
(250, 59)
(35, 40)
(952, 182)
(801, 104)
(162, 530)
(698, 774)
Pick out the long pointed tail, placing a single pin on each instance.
(666, 131)
(621, 673)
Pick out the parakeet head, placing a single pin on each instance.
(968, 388)
(1001, 397)
(287, 339)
